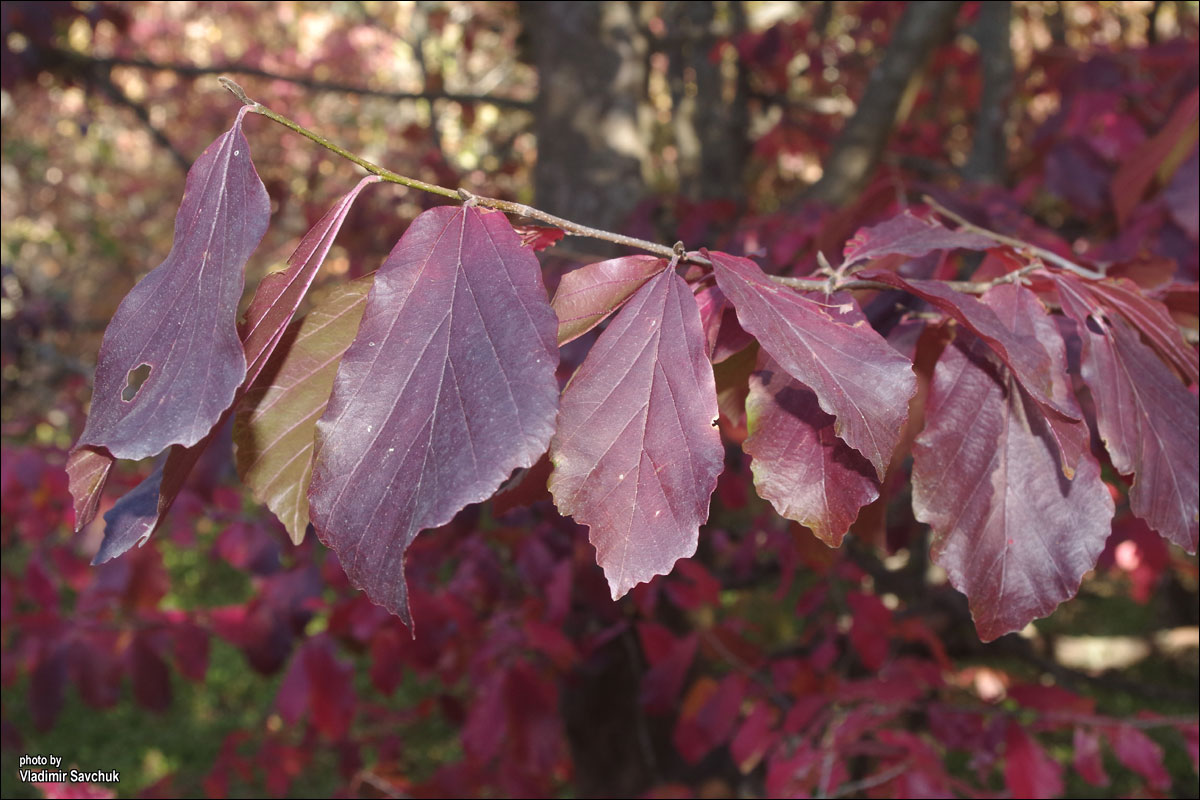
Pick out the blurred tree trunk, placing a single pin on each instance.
(989, 151)
(923, 26)
(709, 116)
(591, 62)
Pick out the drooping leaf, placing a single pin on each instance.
(589, 294)
(909, 235)
(1012, 532)
(276, 422)
(800, 465)
(1028, 361)
(448, 387)
(87, 472)
(1021, 311)
(636, 455)
(176, 330)
(1151, 318)
(1146, 416)
(857, 376)
(134, 518)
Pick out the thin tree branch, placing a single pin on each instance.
(104, 81)
(989, 151)
(1016, 244)
(191, 70)
(831, 284)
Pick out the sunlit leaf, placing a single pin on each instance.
(589, 294)
(448, 387)
(176, 330)
(857, 376)
(636, 455)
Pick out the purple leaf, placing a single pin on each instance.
(1147, 418)
(1012, 532)
(589, 294)
(857, 376)
(799, 464)
(1020, 310)
(1028, 361)
(722, 333)
(909, 236)
(447, 389)
(636, 455)
(135, 517)
(176, 330)
(1150, 317)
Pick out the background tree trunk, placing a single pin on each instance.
(989, 151)
(591, 62)
(923, 27)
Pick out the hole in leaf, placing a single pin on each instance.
(134, 380)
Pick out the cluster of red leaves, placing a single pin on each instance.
(512, 614)
(511, 610)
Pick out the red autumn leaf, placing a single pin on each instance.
(754, 738)
(1021, 311)
(909, 235)
(1140, 753)
(722, 333)
(1028, 770)
(800, 465)
(636, 455)
(587, 295)
(447, 389)
(857, 376)
(176, 330)
(1013, 533)
(709, 713)
(670, 659)
(1020, 353)
(1147, 418)
(279, 294)
(1149, 317)
(538, 237)
(1087, 758)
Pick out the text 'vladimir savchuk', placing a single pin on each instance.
(50, 772)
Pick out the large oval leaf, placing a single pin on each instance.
(447, 389)
(176, 331)
(806, 472)
(1147, 418)
(636, 455)
(1013, 533)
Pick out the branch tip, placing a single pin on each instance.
(236, 90)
